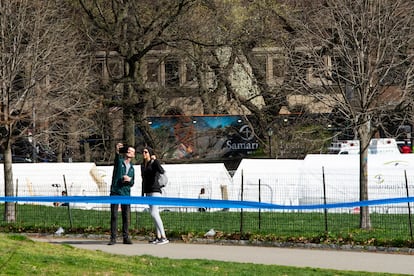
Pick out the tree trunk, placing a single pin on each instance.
(87, 152)
(59, 153)
(10, 209)
(129, 130)
(365, 137)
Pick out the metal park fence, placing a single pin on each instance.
(277, 200)
(251, 208)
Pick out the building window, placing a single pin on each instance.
(153, 71)
(108, 65)
(168, 72)
(338, 69)
(261, 65)
(100, 69)
(271, 63)
(172, 76)
(279, 67)
(299, 66)
(190, 73)
(278, 71)
(115, 68)
(320, 71)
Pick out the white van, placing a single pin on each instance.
(376, 146)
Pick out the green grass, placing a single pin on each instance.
(387, 229)
(22, 256)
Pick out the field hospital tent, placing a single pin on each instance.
(386, 174)
(339, 173)
(386, 179)
(302, 182)
(279, 181)
(299, 182)
(48, 179)
(87, 179)
(184, 181)
(389, 177)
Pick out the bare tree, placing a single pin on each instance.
(43, 75)
(132, 29)
(355, 57)
(221, 39)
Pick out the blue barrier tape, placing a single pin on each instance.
(192, 202)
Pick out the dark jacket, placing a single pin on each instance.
(149, 177)
(118, 186)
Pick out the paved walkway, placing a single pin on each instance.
(331, 259)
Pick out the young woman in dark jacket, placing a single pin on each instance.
(150, 187)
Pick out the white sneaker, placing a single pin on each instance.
(163, 241)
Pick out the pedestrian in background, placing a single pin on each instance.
(150, 167)
(202, 195)
(123, 177)
(56, 204)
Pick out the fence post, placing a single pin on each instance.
(17, 194)
(241, 199)
(69, 212)
(409, 208)
(260, 200)
(324, 200)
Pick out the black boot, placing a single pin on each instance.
(112, 241)
(127, 241)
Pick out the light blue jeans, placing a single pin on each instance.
(155, 214)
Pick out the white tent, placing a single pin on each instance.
(386, 175)
(184, 180)
(279, 180)
(87, 179)
(302, 182)
(282, 182)
(48, 179)
(339, 173)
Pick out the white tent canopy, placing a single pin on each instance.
(301, 182)
(87, 179)
(279, 180)
(282, 182)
